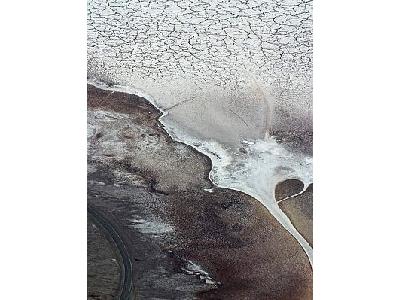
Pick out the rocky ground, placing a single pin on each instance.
(183, 241)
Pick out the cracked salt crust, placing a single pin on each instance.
(157, 45)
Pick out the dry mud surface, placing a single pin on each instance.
(184, 241)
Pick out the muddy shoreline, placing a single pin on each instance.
(153, 189)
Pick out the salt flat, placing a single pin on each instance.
(207, 61)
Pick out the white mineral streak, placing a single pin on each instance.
(221, 72)
(192, 268)
(151, 227)
(256, 172)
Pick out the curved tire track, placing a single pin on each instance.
(126, 282)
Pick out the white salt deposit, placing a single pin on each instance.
(255, 171)
(151, 227)
(192, 268)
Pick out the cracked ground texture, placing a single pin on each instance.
(183, 51)
(218, 68)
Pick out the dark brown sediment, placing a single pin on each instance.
(299, 209)
(137, 173)
(288, 188)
